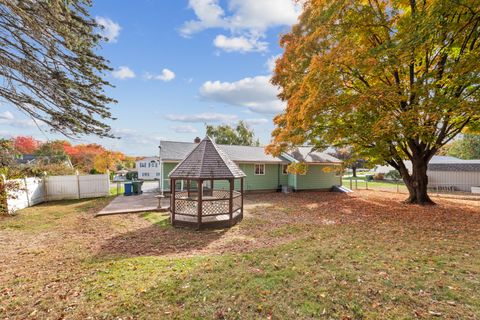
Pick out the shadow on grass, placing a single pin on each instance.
(159, 239)
(279, 218)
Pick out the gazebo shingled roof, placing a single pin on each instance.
(206, 161)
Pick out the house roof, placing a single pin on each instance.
(455, 164)
(206, 161)
(306, 154)
(176, 151)
(445, 159)
(26, 159)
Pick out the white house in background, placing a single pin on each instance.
(448, 173)
(148, 168)
(408, 163)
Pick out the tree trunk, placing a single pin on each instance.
(354, 171)
(417, 183)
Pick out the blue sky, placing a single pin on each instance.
(181, 64)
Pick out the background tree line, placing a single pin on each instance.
(56, 156)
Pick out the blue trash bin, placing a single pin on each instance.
(128, 189)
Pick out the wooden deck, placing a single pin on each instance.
(131, 204)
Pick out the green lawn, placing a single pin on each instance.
(297, 256)
(114, 190)
(376, 184)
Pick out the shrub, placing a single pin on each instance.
(8, 190)
(393, 175)
(379, 176)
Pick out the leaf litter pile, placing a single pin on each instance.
(304, 255)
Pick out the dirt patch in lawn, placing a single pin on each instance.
(48, 251)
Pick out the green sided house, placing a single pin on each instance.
(263, 172)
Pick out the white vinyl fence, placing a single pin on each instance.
(33, 191)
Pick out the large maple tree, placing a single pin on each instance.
(394, 79)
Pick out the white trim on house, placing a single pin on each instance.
(255, 169)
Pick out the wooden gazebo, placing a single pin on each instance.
(214, 189)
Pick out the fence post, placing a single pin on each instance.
(397, 185)
(3, 194)
(366, 183)
(351, 187)
(26, 190)
(45, 191)
(108, 183)
(356, 183)
(78, 183)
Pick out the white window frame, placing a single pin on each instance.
(284, 169)
(255, 169)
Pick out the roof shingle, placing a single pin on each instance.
(206, 161)
(176, 151)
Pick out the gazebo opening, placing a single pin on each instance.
(212, 196)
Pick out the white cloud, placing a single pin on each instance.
(7, 115)
(166, 75)
(247, 20)
(184, 129)
(240, 44)
(252, 15)
(132, 138)
(257, 94)
(202, 117)
(7, 118)
(123, 72)
(256, 121)
(111, 29)
(271, 62)
(26, 123)
(209, 15)
(5, 134)
(260, 15)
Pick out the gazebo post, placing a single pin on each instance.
(230, 202)
(241, 195)
(206, 163)
(172, 199)
(200, 203)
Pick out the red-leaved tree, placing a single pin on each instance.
(26, 145)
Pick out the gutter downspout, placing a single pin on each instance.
(279, 188)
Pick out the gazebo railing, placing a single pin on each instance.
(216, 204)
(186, 207)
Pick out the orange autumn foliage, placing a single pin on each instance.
(396, 80)
(25, 145)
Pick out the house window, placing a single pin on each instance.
(145, 174)
(152, 164)
(158, 174)
(259, 169)
(143, 165)
(284, 169)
